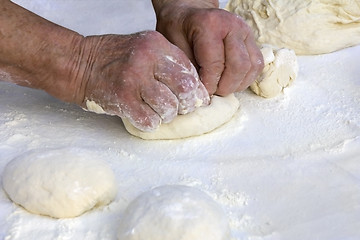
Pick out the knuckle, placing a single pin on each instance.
(209, 17)
(241, 22)
(153, 36)
(186, 85)
(148, 40)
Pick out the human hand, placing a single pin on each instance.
(141, 77)
(219, 43)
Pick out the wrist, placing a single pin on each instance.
(160, 4)
(62, 76)
(171, 14)
(163, 8)
(55, 66)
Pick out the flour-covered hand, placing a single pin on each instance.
(141, 77)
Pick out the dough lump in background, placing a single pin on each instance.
(60, 183)
(280, 70)
(306, 26)
(201, 121)
(174, 212)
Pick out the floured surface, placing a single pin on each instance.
(283, 168)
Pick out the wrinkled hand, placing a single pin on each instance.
(219, 43)
(142, 77)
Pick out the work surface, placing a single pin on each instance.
(283, 168)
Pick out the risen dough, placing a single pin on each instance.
(202, 120)
(307, 26)
(174, 212)
(59, 183)
(281, 69)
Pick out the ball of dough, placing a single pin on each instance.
(59, 183)
(307, 26)
(174, 212)
(201, 121)
(280, 70)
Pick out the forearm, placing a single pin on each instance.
(37, 53)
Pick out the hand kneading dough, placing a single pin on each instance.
(307, 26)
(202, 120)
(59, 183)
(174, 212)
(281, 69)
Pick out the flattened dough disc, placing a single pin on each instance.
(201, 121)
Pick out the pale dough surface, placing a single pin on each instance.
(280, 70)
(59, 183)
(201, 121)
(306, 26)
(174, 212)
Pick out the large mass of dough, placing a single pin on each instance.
(174, 212)
(59, 183)
(202, 120)
(280, 70)
(306, 26)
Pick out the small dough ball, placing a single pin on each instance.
(280, 70)
(60, 183)
(174, 212)
(306, 26)
(201, 121)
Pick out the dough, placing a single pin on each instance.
(94, 107)
(59, 183)
(202, 120)
(174, 212)
(307, 26)
(280, 70)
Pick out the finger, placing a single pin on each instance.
(130, 105)
(210, 56)
(237, 64)
(257, 62)
(182, 43)
(142, 116)
(203, 95)
(180, 76)
(161, 99)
